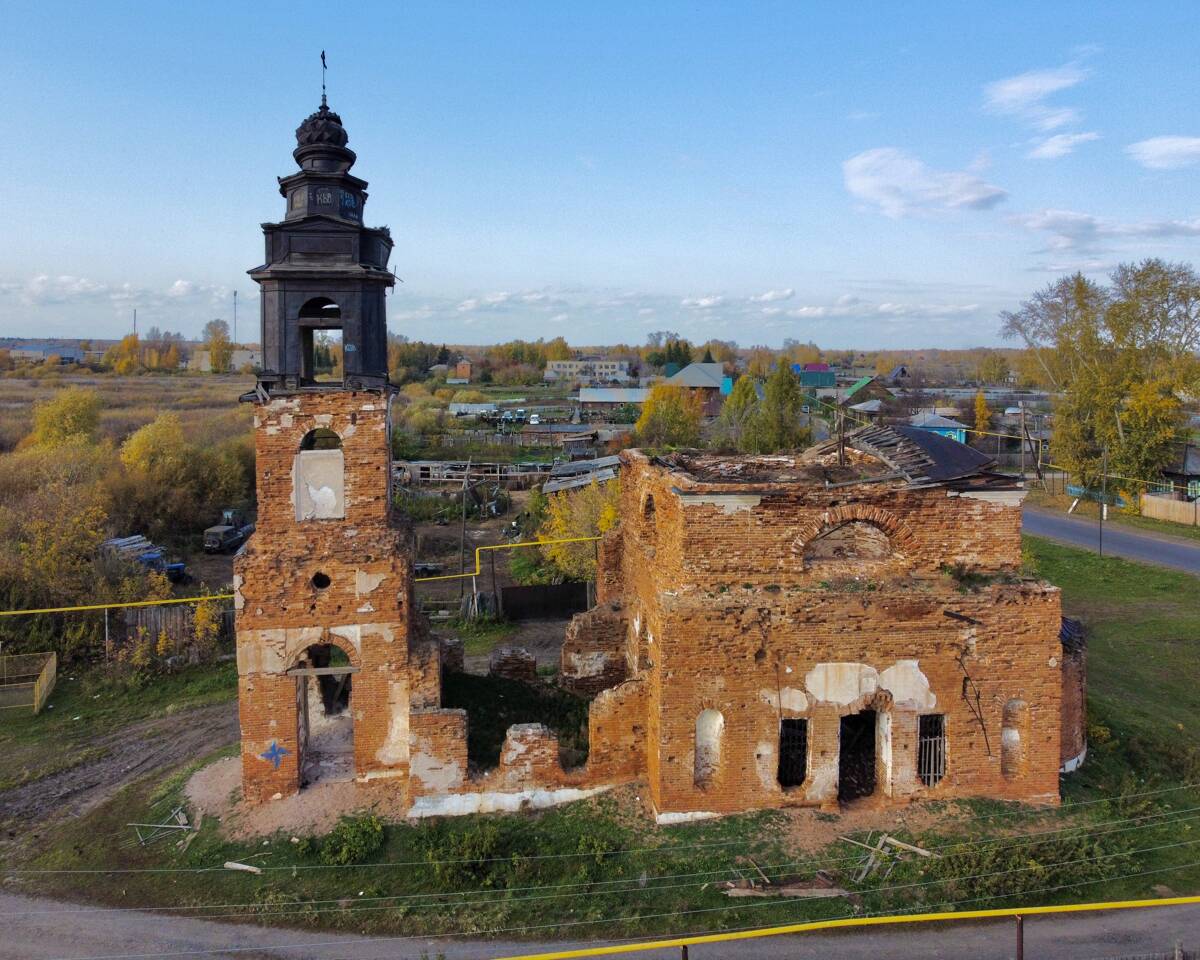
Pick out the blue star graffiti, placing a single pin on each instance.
(275, 754)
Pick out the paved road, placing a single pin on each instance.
(1119, 540)
(45, 930)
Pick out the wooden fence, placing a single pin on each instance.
(1175, 511)
(27, 679)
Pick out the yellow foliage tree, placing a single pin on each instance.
(670, 417)
(206, 629)
(589, 511)
(126, 357)
(160, 448)
(71, 416)
(983, 416)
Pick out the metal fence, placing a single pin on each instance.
(26, 680)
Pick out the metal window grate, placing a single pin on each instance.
(793, 752)
(931, 749)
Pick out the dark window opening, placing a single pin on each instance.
(856, 756)
(931, 749)
(321, 439)
(320, 340)
(793, 752)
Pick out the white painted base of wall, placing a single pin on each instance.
(1075, 762)
(667, 819)
(460, 804)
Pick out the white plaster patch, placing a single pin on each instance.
(394, 749)
(730, 503)
(323, 419)
(238, 600)
(433, 772)
(285, 420)
(668, 819)
(587, 664)
(461, 804)
(908, 685)
(841, 683)
(1053, 662)
(366, 608)
(1010, 737)
(366, 582)
(766, 764)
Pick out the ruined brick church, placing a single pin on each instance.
(847, 625)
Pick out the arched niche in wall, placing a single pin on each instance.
(319, 477)
(850, 540)
(710, 729)
(1013, 732)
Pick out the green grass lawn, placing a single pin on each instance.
(92, 701)
(601, 868)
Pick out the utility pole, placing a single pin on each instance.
(235, 339)
(1103, 496)
(1021, 444)
(1020, 938)
(135, 321)
(841, 429)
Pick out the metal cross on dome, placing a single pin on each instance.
(275, 754)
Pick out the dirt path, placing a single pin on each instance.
(120, 756)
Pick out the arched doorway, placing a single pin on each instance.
(325, 734)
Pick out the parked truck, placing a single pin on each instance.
(229, 534)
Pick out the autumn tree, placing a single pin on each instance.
(993, 368)
(670, 417)
(1119, 357)
(735, 424)
(983, 416)
(219, 346)
(589, 511)
(778, 422)
(124, 357)
(71, 416)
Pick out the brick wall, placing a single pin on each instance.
(594, 651)
(342, 581)
(728, 609)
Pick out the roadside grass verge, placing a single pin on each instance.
(602, 868)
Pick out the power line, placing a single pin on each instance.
(499, 896)
(675, 913)
(664, 849)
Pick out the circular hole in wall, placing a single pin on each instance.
(320, 580)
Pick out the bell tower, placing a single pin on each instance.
(323, 589)
(324, 270)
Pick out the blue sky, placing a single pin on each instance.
(861, 175)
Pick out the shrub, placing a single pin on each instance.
(352, 841)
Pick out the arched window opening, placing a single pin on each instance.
(1012, 736)
(321, 341)
(326, 727)
(321, 439)
(852, 540)
(710, 727)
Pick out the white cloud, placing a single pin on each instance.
(1024, 96)
(771, 296)
(900, 184)
(44, 289)
(1059, 145)
(702, 303)
(181, 288)
(1076, 239)
(1166, 153)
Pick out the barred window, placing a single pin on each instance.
(931, 749)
